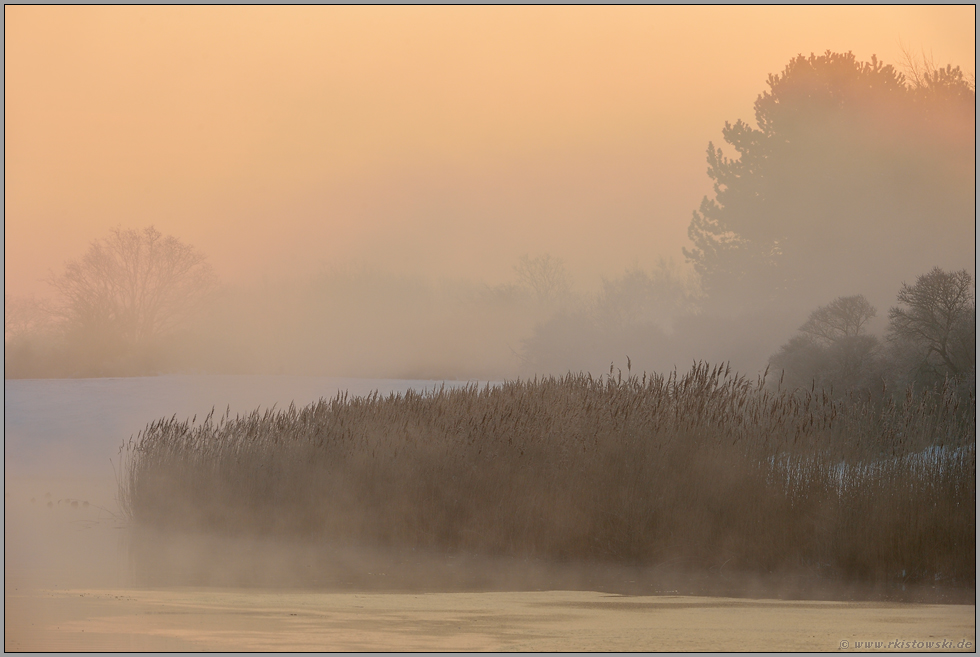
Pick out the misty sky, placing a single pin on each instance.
(442, 141)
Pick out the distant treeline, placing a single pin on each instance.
(363, 323)
(856, 178)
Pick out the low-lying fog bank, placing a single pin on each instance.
(64, 465)
(79, 577)
(62, 437)
(705, 470)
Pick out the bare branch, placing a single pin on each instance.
(137, 285)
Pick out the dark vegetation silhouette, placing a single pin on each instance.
(833, 349)
(693, 472)
(931, 339)
(937, 319)
(853, 175)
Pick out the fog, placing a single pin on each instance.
(66, 531)
(66, 527)
(364, 182)
(62, 459)
(214, 210)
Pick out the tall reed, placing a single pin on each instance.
(699, 470)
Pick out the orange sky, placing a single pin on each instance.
(444, 141)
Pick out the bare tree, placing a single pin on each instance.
(844, 317)
(833, 350)
(134, 285)
(939, 315)
(923, 73)
(545, 277)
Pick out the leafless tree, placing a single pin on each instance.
(844, 317)
(134, 285)
(922, 72)
(939, 315)
(545, 277)
(833, 350)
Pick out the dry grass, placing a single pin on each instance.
(700, 471)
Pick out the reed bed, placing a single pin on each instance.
(702, 470)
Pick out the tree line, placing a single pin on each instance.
(854, 176)
(931, 338)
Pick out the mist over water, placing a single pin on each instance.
(408, 299)
(67, 528)
(64, 526)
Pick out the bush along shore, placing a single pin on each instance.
(703, 470)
